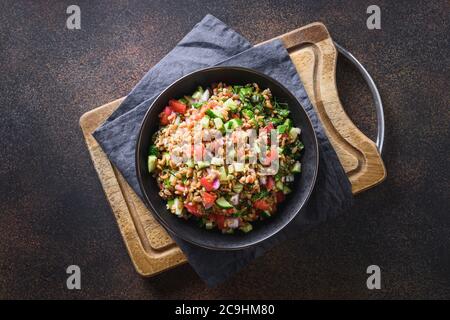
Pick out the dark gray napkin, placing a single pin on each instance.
(208, 43)
(332, 194)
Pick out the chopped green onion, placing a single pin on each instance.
(205, 122)
(246, 227)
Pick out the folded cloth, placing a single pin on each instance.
(117, 136)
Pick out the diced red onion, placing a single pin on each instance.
(205, 96)
(180, 188)
(235, 199)
(216, 184)
(262, 180)
(208, 205)
(233, 223)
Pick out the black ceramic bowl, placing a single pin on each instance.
(189, 230)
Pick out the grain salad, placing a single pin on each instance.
(226, 155)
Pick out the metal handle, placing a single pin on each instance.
(375, 93)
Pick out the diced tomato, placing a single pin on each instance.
(280, 196)
(230, 211)
(177, 106)
(193, 209)
(164, 116)
(205, 182)
(262, 205)
(168, 110)
(163, 119)
(220, 220)
(208, 199)
(270, 182)
(272, 155)
(268, 128)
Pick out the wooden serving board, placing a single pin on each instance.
(314, 55)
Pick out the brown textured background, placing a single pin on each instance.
(52, 209)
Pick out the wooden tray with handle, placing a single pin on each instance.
(314, 55)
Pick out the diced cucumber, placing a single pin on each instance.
(203, 164)
(230, 168)
(233, 124)
(294, 132)
(217, 161)
(237, 122)
(238, 167)
(223, 174)
(238, 187)
(170, 203)
(151, 163)
(190, 163)
(279, 185)
(178, 206)
(214, 114)
(266, 214)
(230, 103)
(223, 203)
(205, 122)
(197, 105)
(183, 101)
(228, 126)
(280, 150)
(166, 157)
(297, 167)
(246, 227)
(209, 225)
(198, 94)
(286, 190)
(218, 123)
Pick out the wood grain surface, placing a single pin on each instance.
(314, 55)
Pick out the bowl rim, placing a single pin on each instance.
(152, 207)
